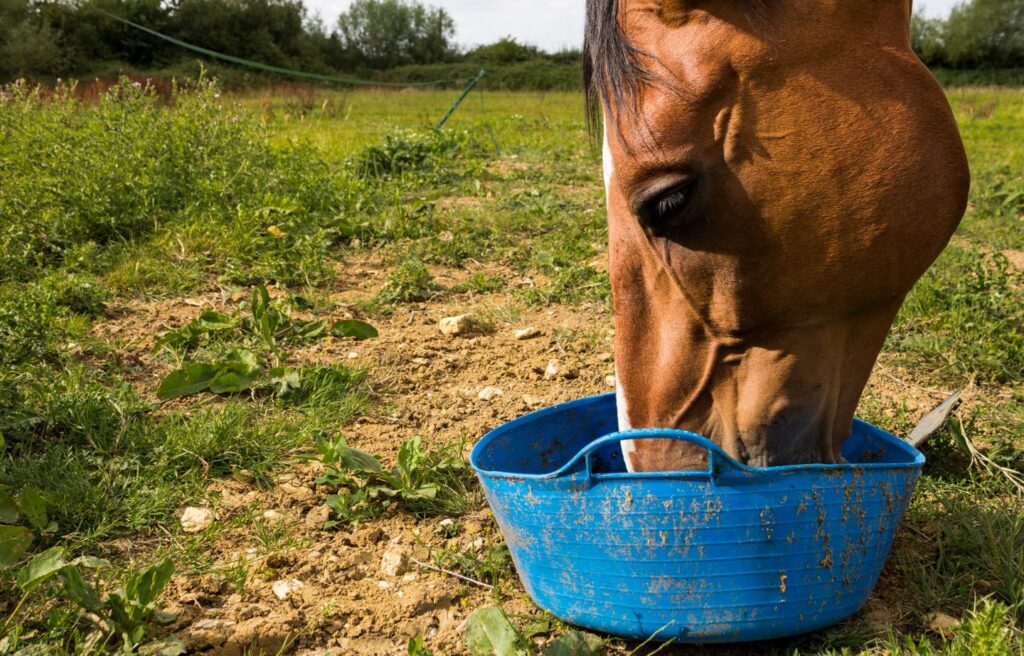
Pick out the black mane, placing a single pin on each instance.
(613, 73)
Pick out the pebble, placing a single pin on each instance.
(556, 370)
(457, 325)
(317, 515)
(942, 623)
(194, 520)
(352, 355)
(395, 561)
(284, 588)
(609, 381)
(527, 333)
(604, 357)
(533, 401)
(272, 516)
(489, 393)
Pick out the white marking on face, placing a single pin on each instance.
(606, 164)
(628, 446)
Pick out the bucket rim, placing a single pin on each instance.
(916, 462)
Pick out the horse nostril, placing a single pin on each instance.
(667, 205)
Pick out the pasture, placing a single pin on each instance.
(136, 235)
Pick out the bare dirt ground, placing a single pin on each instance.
(279, 583)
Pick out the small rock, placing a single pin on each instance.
(609, 381)
(489, 393)
(352, 355)
(604, 357)
(527, 333)
(556, 370)
(473, 527)
(447, 521)
(395, 561)
(297, 492)
(942, 623)
(533, 401)
(272, 516)
(194, 520)
(458, 325)
(284, 588)
(317, 515)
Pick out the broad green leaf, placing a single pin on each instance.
(243, 357)
(169, 646)
(575, 643)
(211, 320)
(80, 591)
(260, 302)
(230, 379)
(9, 513)
(489, 633)
(353, 328)
(41, 568)
(90, 562)
(145, 586)
(190, 380)
(33, 506)
(14, 543)
(410, 456)
(541, 626)
(309, 330)
(356, 459)
(423, 492)
(284, 380)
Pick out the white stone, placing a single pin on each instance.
(489, 393)
(284, 588)
(527, 333)
(609, 381)
(395, 561)
(457, 325)
(194, 520)
(272, 516)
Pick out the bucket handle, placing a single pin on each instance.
(718, 459)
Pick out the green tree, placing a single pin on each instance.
(985, 33)
(505, 50)
(388, 33)
(926, 37)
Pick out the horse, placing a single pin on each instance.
(778, 175)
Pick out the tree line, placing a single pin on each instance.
(385, 39)
(977, 34)
(75, 38)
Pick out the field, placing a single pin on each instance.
(189, 402)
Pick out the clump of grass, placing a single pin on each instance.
(410, 151)
(964, 318)
(422, 482)
(409, 282)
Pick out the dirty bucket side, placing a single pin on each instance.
(711, 558)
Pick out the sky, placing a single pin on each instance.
(550, 24)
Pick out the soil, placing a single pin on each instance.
(338, 600)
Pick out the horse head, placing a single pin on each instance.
(779, 174)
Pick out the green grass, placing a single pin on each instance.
(129, 200)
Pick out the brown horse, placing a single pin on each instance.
(779, 173)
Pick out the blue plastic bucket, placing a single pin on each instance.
(728, 554)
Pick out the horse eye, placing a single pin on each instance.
(667, 207)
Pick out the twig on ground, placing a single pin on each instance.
(486, 586)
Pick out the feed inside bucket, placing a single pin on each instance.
(730, 553)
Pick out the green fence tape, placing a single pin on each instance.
(268, 67)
